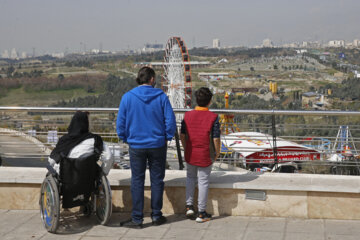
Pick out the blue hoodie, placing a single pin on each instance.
(145, 118)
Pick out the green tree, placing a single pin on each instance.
(17, 75)
(90, 89)
(61, 76)
(10, 71)
(68, 64)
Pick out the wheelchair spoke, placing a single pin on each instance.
(103, 201)
(49, 204)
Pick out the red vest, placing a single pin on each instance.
(198, 129)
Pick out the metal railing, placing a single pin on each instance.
(308, 141)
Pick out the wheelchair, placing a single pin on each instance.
(81, 182)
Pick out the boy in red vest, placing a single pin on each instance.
(200, 137)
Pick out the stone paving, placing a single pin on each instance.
(26, 224)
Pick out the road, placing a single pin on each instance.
(20, 152)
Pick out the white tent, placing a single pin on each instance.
(258, 147)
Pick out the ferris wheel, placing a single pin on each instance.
(176, 81)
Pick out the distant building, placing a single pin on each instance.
(267, 43)
(150, 47)
(213, 76)
(301, 51)
(13, 54)
(357, 74)
(23, 55)
(95, 51)
(312, 100)
(314, 44)
(5, 54)
(291, 45)
(356, 43)
(216, 43)
(305, 44)
(336, 43)
(58, 55)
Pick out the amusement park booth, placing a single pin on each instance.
(254, 150)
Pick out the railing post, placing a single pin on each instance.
(181, 164)
(273, 123)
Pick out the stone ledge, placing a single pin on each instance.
(223, 180)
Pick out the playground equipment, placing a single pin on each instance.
(227, 120)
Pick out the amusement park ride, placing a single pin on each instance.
(251, 147)
(227, 120)
(344, 143)
(176, 81)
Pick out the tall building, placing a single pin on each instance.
(337, 43)
(267, 43)
(216, 43)
(356, 43)
(5, 54)
(13, 54)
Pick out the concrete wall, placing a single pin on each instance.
(287, 195)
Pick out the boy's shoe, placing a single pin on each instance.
(190, 212)
(203, 217)
(161, 220)
(130, 224)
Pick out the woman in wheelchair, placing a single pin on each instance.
(79, 142)
(75, 178)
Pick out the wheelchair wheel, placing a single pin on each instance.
(102, 201)
(50, 204)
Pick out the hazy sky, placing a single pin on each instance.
(54, 25)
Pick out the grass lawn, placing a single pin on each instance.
(18, 97)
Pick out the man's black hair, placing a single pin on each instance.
(144, 75)
(203, 96)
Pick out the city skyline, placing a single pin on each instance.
(54, 26)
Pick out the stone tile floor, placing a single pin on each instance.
(26, 224)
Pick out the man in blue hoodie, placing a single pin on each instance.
(146, 122)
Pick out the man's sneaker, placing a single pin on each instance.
(190, 212)
(130, 224)
(203, 217)
(159, 221)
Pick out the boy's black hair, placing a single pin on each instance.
(144, 75)
(203, 96)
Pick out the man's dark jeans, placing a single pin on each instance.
(156, 158)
